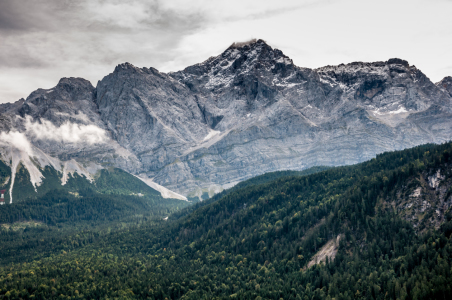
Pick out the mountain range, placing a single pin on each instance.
(248, 111)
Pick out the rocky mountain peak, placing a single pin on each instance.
(398, 61)
(74, 89)
(446, 83)
(129, 72)
(258, 50)
(124, 66)
(69, 98)
(74, 81)
(385, 87)
(68, 89)
(237, 56)
(241, 63)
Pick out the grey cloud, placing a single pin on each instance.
(15, 54)
(172, 20)
(154, 17)
(279, 11)
(10, 16)
(60, 15)
(38, 33)
(33, 15)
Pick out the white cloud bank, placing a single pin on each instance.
(21, 149)
(17, 140)
(66, 133)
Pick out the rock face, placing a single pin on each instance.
(150, 114)
(425, 200)
(245, 112)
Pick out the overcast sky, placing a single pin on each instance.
(44, 40)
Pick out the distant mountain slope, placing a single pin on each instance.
(245, 112)
(104, 181)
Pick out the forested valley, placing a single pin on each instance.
(388, 219)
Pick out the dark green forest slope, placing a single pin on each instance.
(261, 179)
(79, 208)
(388, 219)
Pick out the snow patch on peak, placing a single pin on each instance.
(394, 112)
(284, 60)
(400, 110)
(211, 134)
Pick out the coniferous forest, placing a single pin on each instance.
(384, 227)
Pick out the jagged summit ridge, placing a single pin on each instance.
(385, 86)
(128, 67)
(361, 64)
